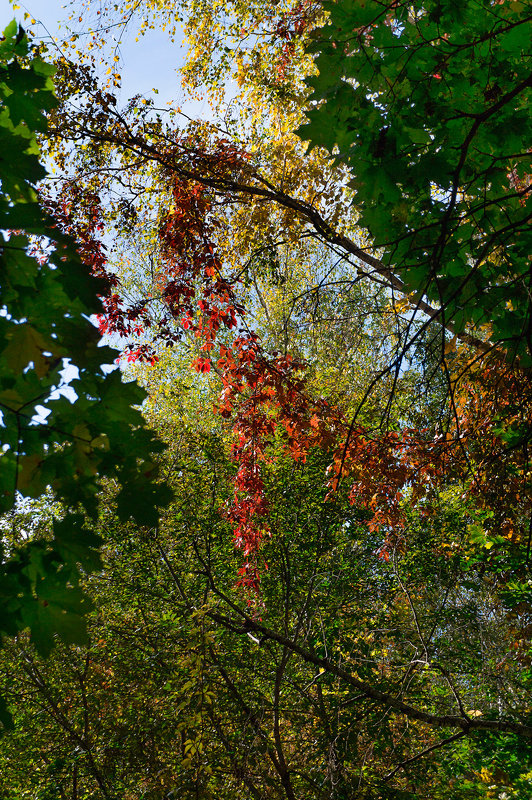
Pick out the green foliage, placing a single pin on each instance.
(428, 104)
(180, 694)
(46, 439)
(374, 661)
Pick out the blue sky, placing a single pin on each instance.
(149, 63)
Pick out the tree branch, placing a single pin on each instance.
(386, 699)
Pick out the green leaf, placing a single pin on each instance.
(25, 345)
(47, 308)
(6, 718)
(75, 544)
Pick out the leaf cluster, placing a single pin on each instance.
(69, 432)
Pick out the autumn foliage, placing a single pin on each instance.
(265, 398)
(319, 586)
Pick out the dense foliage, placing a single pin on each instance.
(333, 340)
(429, 105)
(48, 296)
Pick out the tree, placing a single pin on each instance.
(200, 166)
(48, 298)
(428, 106)
(183, 690)
(340, 453)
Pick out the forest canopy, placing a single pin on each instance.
(265, 392)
